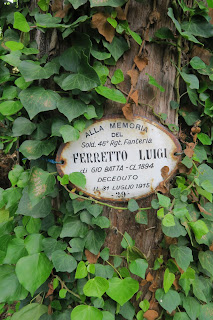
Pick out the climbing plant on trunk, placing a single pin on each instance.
(63, 254)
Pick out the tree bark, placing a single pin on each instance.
(147, 237)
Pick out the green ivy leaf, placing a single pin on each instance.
(163, 200)
(91, 112)
(86, 313)
(187, 162)
(32, 310)
(14, 291)
(78, 179)
(8, 108)
(73, 227)
(14, 45)
(21, 83)
(198, 27)
(15, 251)
(206, 174)
(33, 243)
(181, 316)
(190, 117)
(62, 293)
(99, 55)
(168, 220)
(70, 59)
(101, 70)
(63, 262)
(71, 108)
(117, 77)
(112, 21)
(96, 287)
(183, 255)
(132, 205)
(4, 73)
(11, 197)
(81, 271)
(206, 311)
(33, 225)
(86, 78)
(94, 209)
(112, 94)
(122, 290)
(117, 47)
(204, 139)
(168, 301)
(44, 4)
(94, 240)
(51, 245)
(176, 23)
(141, 217)
(23, 126)
(164, 33)
(20, 22)
(192, 307)
(197, 63)
(135, 36)
(206, 260)
(32, 271)
(138, 267)
(144, 305)
(91, 268)
(154, 83)
(41, 183)
(15, 173)
(199, 228)
(105, 254)
(47, 20)
(191, 80)
(77, 3)
(168, 280)
(108, 315)
(104, 271)
(102, 222)
(36, 100)
(40, 210)
(127, 241)
(33, 149)
(31, 70)
(175, 231)
(69, 133)
(9, 93)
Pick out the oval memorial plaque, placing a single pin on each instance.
(121, 159)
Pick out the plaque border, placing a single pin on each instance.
(178, 150)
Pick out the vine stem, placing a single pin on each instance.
(68, 290)
(115, 269)
(102, 203)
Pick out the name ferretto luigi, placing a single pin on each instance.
(121, 155)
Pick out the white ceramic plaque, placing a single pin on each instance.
(121, 159)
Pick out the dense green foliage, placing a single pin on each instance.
(51, 254)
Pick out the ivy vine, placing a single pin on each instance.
(52, 261)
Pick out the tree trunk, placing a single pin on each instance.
(160, 57)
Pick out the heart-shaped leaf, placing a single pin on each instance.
(37, 99)
(121, 290)
(96, 287)
(86, 313)
(168, 301)
(32, 271)
(168, 280)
